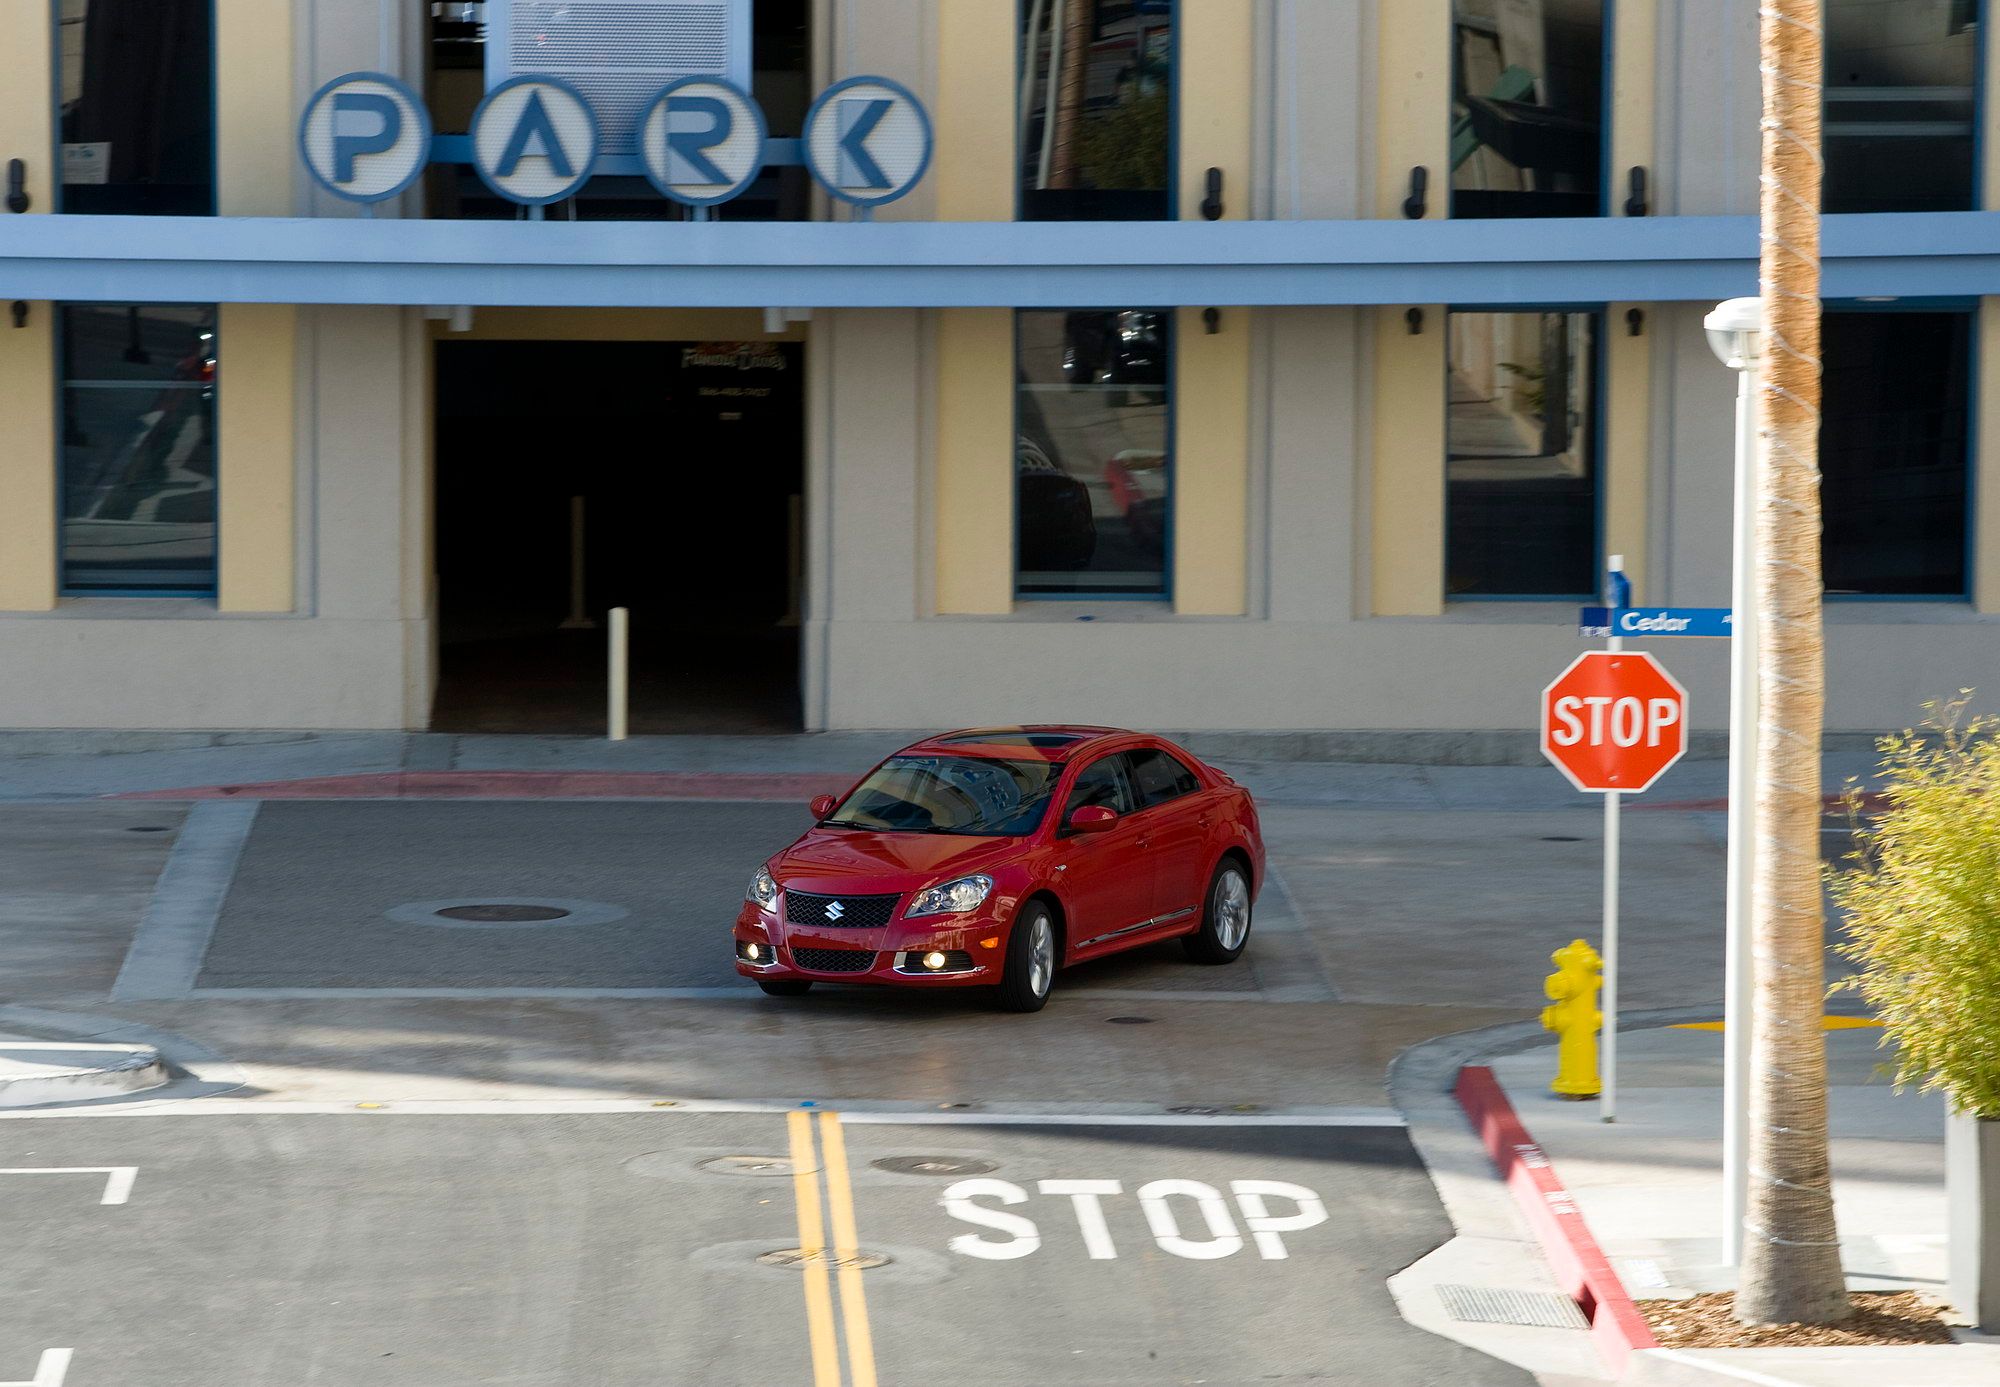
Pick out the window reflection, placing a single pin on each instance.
(1096, 118)
(1092, 462)
(1521, 465)
(137, 90)
(138, 451)
(1901, 101)
(1527, 111)
(1893, 451)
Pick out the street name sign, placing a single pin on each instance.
(1640, 622)
(1614, 721)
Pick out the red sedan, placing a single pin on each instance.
(994, 857)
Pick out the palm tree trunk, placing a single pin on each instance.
(1791, 1266)
(1072, 85)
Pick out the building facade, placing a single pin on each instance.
(1251, 364)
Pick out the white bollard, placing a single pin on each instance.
(621, 671)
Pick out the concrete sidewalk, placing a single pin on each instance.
(1650, 1188)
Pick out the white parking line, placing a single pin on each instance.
(49, 1371)
(117, 1179)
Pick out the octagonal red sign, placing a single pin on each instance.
(1614, 720)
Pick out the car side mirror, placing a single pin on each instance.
(821, 806)
(1092, 818)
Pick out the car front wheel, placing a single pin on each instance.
(1031, 961)
(1225, 920)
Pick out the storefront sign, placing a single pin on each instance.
(534, 140)
(365, 136)
(702, 141)
(867, 140)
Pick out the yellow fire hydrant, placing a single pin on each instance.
(1574, 1017)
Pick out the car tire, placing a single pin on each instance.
(1225, 917)
(1032, 954)
(785, 987)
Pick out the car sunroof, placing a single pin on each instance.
(1035, 739)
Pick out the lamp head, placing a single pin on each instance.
(1736, 332)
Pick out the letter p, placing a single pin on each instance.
(354, 137)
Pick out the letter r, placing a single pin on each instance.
(349, 143)
(688, 134)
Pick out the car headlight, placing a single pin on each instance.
(952, 898)
(763, 891)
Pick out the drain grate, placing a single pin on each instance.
(860, 1258)
(1495, 1305)
(934, 1165)
(504, 913)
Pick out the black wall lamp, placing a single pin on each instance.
(17, 186)
(1415, 318)
(1635, 183)
(1416, 204)
(1635, 322)
(1211, 205)
(1211, 318)
(20, 312)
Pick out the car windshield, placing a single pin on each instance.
(950, 794)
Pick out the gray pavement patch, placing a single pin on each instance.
(174, 933)
(512, 912)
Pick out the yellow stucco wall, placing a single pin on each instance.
(1406, 545)
(975, 461)
(1989, 144)
(973, 173)
(1986, 464)
(27, 355)
(254, 112)
(1628, 413)
(256, 429)
(1211, 463)
(1413, 103)
(1217, 75)
(1634, 52)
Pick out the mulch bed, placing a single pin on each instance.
(1880, 1318)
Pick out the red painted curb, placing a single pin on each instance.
(517, 785)
(1581, 1268)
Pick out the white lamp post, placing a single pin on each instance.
(1735, 335)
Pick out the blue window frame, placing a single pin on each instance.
(1093, 451)
(1523, 498)
(135, 107)
(1529, 109)
(138, 468)
(1099, 110)
(1904, 85)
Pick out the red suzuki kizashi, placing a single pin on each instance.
(995, 857)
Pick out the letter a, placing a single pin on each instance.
(534, 126)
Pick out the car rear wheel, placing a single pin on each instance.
(1225, 920)
(785, 987)
(1031, 960)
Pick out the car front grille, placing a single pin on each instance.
(834, 960)
(839, 912)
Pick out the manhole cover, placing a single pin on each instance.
(861, 1258)
(501, 913)
(1129, 1020)
(933, 1165)
(746, 1165)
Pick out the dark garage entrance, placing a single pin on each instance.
(689, 459)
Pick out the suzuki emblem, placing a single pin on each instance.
(835, 911)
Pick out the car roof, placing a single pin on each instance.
(1036, 741)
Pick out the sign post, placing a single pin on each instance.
(1613, 722)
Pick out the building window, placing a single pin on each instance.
(1521, 455)
(1097, 116)
(1894, 453)
(1527, 108)
(138, 449)
(1902, 88)
(138, 95)
(1093, 452)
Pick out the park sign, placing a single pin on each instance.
(536, 139)
(1614, 721)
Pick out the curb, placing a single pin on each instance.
(514, 785)
(1581, 1268)
(121, 1069)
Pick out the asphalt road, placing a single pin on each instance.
(616, 1250)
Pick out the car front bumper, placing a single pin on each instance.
(975, 946)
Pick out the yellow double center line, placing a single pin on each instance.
(842, 1251)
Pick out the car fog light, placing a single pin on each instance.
(934, 960)
(753, 952)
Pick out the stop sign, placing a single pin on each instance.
(1614, 720)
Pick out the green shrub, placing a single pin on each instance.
(1922, 899)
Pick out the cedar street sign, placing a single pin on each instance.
(1614, 721)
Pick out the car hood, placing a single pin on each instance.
(835, 860)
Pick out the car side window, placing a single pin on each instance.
(1102, 782)
(1157, 777)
